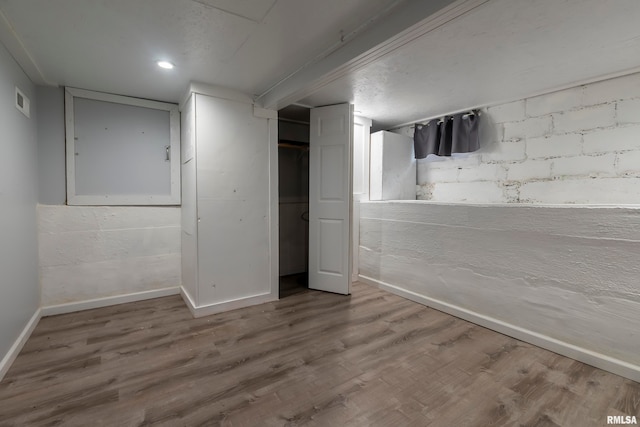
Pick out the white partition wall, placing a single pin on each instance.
(393, 167)
(229, 252)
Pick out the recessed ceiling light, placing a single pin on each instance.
(166, 65)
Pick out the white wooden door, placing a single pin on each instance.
(330, 187)
(361, 144)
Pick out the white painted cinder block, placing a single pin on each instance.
(483, 172)
(628, 163)
(625, 87)
(84, 247)
(427, 174)
(510, 112)
(598, 165)
(582, 191)
(554, 146)
(628, 111)
(530, 169)
(470, 192)
(600, 116)
(504, 152)
(73, 283)
(59, 219)
(93, 252)
(529, 128)
(611, 140)
(456, 160)
(580, 133)
(553, 102)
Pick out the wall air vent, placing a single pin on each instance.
(22, 103)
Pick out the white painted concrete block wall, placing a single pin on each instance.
(565, 278)
(575, 146)
(97, 252)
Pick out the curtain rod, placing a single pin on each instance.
(428, 119)
(441, 118)
(582, 82)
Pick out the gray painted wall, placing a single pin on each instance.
(19, 290)
(51, 146)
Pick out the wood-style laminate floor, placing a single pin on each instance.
(372, 359)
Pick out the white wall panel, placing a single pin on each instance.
(233, 201)
(233, 249)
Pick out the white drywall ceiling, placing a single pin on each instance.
(497, 51)
(502, 50)
(112, 46)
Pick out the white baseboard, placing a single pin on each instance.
(584, 355)
(188, 301)
(71, 307)
(13, 352)
(220, 307)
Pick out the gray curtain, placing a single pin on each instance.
(453, 134)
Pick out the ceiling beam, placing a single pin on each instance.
(403, 24)
(18, 50)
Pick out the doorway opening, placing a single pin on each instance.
(293, 189)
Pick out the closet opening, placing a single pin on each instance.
(293, 201)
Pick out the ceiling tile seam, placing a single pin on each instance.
(238, 15)
(268, 10)
(253, 31)
(429, 24)
(32, 67)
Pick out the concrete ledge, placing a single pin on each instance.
(597, 360)
(15, 349)
(52, 310)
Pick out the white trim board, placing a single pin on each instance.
(274, 211)
(71, 307)
(214, 91)
(589, 357)
(220, 307)
(15, 349)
